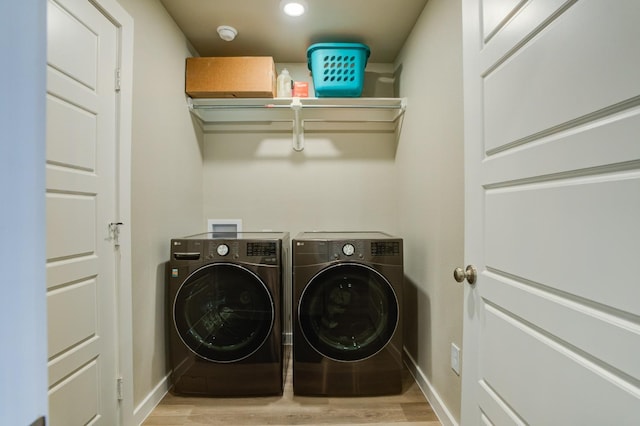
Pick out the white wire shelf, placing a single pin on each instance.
(299, 115)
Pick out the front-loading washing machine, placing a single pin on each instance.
(347, 323)
(225, 304)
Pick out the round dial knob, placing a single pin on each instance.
(348, 249)
(223, 249)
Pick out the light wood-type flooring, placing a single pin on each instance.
(408, 408)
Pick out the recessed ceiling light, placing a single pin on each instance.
(293, 8)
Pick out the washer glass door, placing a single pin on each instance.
(348, 312)
(223, 312)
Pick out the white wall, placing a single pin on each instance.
(23, 330)
(166, 181)
(341, 181)
(431, 195)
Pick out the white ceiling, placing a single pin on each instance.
(263, 30)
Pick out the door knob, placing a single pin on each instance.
(470, 274)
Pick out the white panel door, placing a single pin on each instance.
(81, 202)
(552, 157)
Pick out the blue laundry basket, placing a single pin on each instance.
(338, 68)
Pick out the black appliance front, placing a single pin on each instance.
(348, 312)
(348, 296)
(223, 312)
(225, 303)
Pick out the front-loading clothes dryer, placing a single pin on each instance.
(225, 304)
(347, 295)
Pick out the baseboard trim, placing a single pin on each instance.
(441, 410)
(154, 397)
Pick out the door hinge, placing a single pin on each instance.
(119, 388)
(117, 82)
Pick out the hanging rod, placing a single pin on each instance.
(304, 106)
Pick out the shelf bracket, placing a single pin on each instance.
(298, 126)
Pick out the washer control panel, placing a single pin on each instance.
(267, 252)
(348, 249)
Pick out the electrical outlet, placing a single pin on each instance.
(455, 358)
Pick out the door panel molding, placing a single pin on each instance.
(552, 179)
(90, 91)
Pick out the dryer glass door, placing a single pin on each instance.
(348, 312)
(223, 312)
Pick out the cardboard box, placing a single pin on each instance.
(231, 77)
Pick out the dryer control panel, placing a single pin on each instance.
(385, 248)
(385, 251)
(347, 250)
